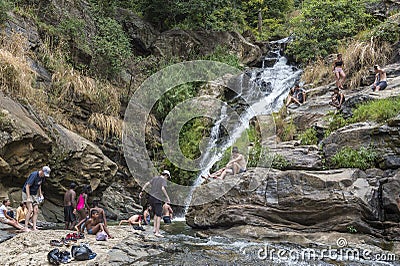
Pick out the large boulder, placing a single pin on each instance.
(306, 201)
(141, 33)
(385, 139)
(24, 145)
(183, 43)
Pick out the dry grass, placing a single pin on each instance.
(358, 56)
(109, 126)
(16, 76)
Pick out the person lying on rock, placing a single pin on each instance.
(93, 225)
(6, 219)
(337, 99)
(237, 164)
(380, 82)
(296, 95)
(167, 213)
(133, 220)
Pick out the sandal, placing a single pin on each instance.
(56, 243)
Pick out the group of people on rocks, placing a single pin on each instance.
(32, 196)
(77, 214)
(298, 95)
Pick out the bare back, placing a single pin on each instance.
(69, 198)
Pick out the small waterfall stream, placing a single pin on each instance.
(263, 90)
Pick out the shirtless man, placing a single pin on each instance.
(133, 220)
(92, 225)
(380, 82)
(69, 207)
(237, 164)
(102, 214)
(167, 213)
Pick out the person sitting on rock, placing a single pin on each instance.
(337, 99)
(146, 215)
(167, 213)
(380, 82)
(22, 210)
(133, 220)
(102, 214)
(237, 164)
(6, 219)
(93, 225)
(297, 95)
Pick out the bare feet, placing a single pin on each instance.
(158, 235)
(25, 229)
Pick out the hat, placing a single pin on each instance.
(166, 172)
(46, 170)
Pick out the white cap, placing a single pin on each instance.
(46, 171)
(166, 172)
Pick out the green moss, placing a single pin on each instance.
(378, 111)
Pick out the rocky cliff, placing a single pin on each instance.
(305, 197)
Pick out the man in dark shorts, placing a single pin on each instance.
(70, 207)
(157, 191)
(32, 194)
(167, 213)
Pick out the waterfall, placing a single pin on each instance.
(264, 93)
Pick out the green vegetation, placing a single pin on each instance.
(322, 25)
(351, 229)
(4, 8)
(285, 129)
(347, 157)
(111, 46)
(309, 137)
(377, 111)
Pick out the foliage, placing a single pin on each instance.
(285, 129)
(378, 110)
(309, 137)
(4, 8)
(387, 31)
(322, 24)
(221, 54)
(191, 137)
(351, 229)
(336, 121)
(111, 46)
(362, 158)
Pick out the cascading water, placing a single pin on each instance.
(263, 93)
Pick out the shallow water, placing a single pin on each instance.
(192, 250)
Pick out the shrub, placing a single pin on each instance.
(309, 137)
(362, 158)
(4, 8)
(111, 47)
(378, 110)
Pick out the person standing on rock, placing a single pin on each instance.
(167, 213)
(32, 194)
(82, 205)
(380, 82)
(157, 192)
(70, 207)
(338, 71)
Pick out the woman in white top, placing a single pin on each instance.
(5, 219)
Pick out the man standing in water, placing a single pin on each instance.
(69, 207)
(32, 194)
(157, 191)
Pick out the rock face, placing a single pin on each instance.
(305, 201)
(183, 43)
(385, 139)
(25, 146)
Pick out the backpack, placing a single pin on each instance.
(82, 252)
